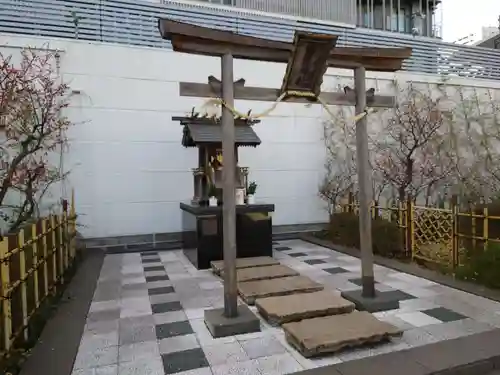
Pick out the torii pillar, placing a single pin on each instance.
(307, 59)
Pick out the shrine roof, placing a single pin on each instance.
(204, 131)
(200, 40)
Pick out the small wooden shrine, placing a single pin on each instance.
(205, 134)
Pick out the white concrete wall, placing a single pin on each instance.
(129, 169)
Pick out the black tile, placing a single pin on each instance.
(162, 290)
(150, 279)
(358, 281)
(167, 330)
(151, 260)
(154, 268)
(398, 295)
(295, 255)
(166, 307)
(184, 361)
(148, 253)
(444, 315)
(282, 248)
(335, 270)
(312, 262)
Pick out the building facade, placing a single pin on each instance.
(416, 17)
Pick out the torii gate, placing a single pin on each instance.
(307, 59)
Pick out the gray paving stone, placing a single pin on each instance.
(134, 293)
(239, 368)
(278, 364)
(418, 337)
(101, 327)
(137, 321)
(96, 316)
(132, 335)
(142, 367)
(138, 351)
(104, 305)
(262, 347)
(99, 340)
(96, 357)
(459, 328)
(227, 353)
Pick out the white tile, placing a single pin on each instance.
(128, 269)
(418, 319)
(262, 347)
(209, 285)
(413, 280)
(104, 305)
(397, 284)
(96, 357)
(278, 364)
(96, 341)
(169, 317)
(178, 343)
(204, 336)
(228, 353)
(134, 280)
(103, 370)
(416, 304)
(421, 292)
(198, 371)
(138, 351)
(142, 367)
(195, 313)
(240, 368)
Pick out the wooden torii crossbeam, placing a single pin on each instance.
(307, 59)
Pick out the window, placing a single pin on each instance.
(399, 21)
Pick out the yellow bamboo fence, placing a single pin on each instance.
(33, 266)
(433, 235)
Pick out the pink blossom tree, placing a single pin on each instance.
(32, 131)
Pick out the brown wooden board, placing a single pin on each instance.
(308, 62)
(203, 90)
(194, 39)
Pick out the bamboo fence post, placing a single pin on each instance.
(410, 227)
(454, 231)
(485, 228)
(72, 214)
(34, 248)
(53, 252)
(22, 285)
(45, 253)
(5, 290)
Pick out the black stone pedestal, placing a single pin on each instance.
(220, 326)
(203, 238)
(381, 302)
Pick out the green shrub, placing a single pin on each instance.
(465, 227)
(482, 267)
(387, 237)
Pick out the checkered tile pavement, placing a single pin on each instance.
(146, 317)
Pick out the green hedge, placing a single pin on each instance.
(482, 267)
(387, 237)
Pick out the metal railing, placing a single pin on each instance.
(135, 23)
